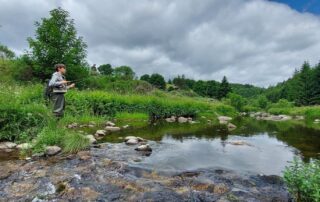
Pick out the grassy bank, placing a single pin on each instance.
(25, 117)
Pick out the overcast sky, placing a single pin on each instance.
(250, 41)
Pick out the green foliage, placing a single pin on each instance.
(158, 81)
(56, 42)
(145, 77)
(262, 102)
(224, 88)
(22, 112)
(303, 180)
(105, 69)
(124, 72)
(237, 101)
(6, 53)
(247, 90)
(74, 142)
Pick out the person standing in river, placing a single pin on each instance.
(59, 87)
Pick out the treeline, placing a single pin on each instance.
(303, 88)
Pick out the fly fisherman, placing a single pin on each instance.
(59, 87)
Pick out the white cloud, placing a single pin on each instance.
(249, 41)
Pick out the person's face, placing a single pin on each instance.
(63, 70)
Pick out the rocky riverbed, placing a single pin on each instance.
(111, 173)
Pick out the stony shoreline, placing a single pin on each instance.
(108, 173)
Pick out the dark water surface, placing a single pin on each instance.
(267, 146)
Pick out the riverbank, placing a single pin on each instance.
(106, 174)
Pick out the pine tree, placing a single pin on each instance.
(304, 87)
(224, 88)
(316, 86)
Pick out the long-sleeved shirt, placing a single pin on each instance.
(56, 83)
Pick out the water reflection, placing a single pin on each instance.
(268, 149)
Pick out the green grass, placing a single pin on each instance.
(132, 119)
(74, 142)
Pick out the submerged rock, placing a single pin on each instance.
(7, 145)
(52, 150)
(112, 128)
(144, 147)
(239, 142)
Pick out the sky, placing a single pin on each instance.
(259, 42)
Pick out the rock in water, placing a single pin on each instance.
(231, 126)
(224, 119)
(100, 133)
(182, 119)
(24, 146)
(91, 138)
(7, 145)
(52, 150)
(132, 141)
(112, 128)
(145, 147)
(109, 123)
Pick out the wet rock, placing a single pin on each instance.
(109, 123)
(100, 133)
(38, 155)
(112, 128)
(145, 147)
(130, 137)
(7, 145)
(231, 126)
(220, 188)
(72, 125)
(182, 119)
(91, 138)
(24, 146)
(132, 141)
(52, 150)
(84, 155)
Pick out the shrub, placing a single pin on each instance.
(237, 101)
(303, 180)
(74, 142)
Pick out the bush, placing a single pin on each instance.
(237, 101)
(74, 142)
(303, 180)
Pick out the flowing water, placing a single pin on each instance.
(262, 147)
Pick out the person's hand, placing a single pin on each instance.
(64, 82)
(72, 85)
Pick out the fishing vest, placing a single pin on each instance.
(61, 88)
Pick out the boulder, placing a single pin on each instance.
(125, 126)
(100, 133)
(112, 128)
(224, 119)
(182, 119)
(129, 137)
(73, 125)
(109, 123)
(132, 141)
(52, 150)
(24, 146)
(231, 126)
(91, 138)
(145, 147)
(7, 145)
(171, 119)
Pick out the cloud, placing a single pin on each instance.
(250, 41)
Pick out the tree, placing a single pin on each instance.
(145, 77)
(237, 101)
(224, 88)
(105, 69)
(262, 101)
(316, 86)
(180, 82)
(158, 81)
(124, 72)
(304, 87)
(6, 53)
(55, 42)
